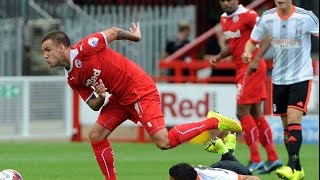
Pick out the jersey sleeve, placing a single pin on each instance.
(259, 30)
(313, 24)
(252, 18)
(92, 44)
(85, 92)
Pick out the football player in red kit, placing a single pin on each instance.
(237, 23)
(93, 69)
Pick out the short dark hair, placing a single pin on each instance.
(58, 37)
(183, 171)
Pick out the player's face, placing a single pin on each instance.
(229, 6)
(52, 53)
(283, 4)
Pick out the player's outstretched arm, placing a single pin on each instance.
(115, 33)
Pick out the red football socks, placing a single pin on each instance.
(265, 137)
(185, 132)
(250, 133)
(104, 155)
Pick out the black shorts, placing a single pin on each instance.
(293, 95)
(234, 166)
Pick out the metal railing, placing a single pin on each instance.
(35, 107)
(11, 48)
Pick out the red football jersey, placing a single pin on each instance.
(237, 28)
(92, 59)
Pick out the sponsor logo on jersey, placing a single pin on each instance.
(230, 34)
(93, 79)
(235, 18)
(286, 43)
(93, 41)
(78, 63)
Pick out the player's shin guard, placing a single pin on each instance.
(250, 133)
(104, 155)
(294, 144)
(265, 137)
(185, 132)
(286, 137)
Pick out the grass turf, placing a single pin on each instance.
(75, 161)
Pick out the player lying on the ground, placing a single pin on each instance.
(93, 69)
(228, 168)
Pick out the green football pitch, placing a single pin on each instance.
(75, 161)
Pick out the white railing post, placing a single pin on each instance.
(26, 109)
(68, 111)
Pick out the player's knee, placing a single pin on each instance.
(95, 136)
(163, 145)
(294, 116)
(162, 142)
(242, 112)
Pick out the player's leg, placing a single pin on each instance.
(228, 161)
(297, 107)
(265, 138)
(181, 133)
(251, 91)
(225, 148)
(280, 100)
(178, 134)
(184, 132)
(250, 133)
(285, 130)
(111, 116)
(150, 115)
(102, 150)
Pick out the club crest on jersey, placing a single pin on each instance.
(93, 79)
(93, 41)
(298, 33)
(235, 18)
(78, 63)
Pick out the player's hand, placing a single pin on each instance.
(253, 66)
(135, 30)
(246, 57)
(214, 60)
(100, 89)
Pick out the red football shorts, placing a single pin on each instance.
(146, 110)
(251, 89)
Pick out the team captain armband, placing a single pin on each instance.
(286, 43)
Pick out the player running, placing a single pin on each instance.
(92, 69)
(228, 168)
(237, 23)
(289, 28)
